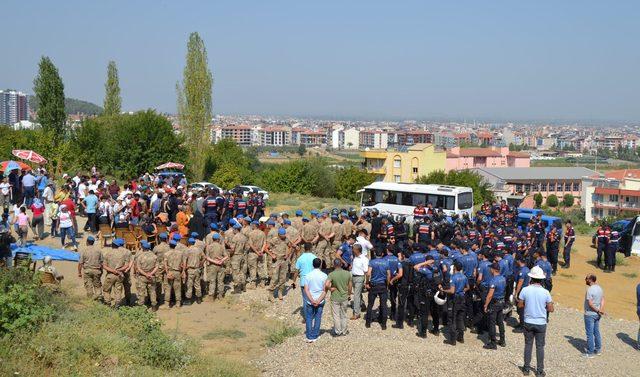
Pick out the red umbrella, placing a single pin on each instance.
(170, 165)
(12, 165)
(29, 156)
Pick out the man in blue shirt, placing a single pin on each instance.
(377, 278)
(541, 261)
(90, 205)
(304, 265)
(458, 285)
(522, 281)
(493, 305)
(394, 267)
(345, 252)
(536, 302)
(429, 274)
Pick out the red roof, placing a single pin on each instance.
(518, 155)
(475, 152)
(622, 174)
(607, 191)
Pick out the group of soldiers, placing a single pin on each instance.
(463, 273)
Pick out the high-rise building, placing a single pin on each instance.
(14, 107)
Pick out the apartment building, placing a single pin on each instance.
(618, 191)
(403, 164)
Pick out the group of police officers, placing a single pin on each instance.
(459, 271)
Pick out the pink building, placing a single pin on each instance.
(492, 157)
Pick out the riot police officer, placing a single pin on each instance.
(458, 286)
(493, 305)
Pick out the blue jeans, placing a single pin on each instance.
(68, 232)
(592, 326)
(304, 303)
(29, 193)
(313, 316)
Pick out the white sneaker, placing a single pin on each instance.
(599, 352)
(588, 356)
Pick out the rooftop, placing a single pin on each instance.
(622, 174)
(538, 173)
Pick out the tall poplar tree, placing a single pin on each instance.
(112, 99)
(49, 94)
(194, 103)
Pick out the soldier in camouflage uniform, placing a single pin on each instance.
(90, 269)
(145, 268)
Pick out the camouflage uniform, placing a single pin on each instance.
(114, 259)
(174, 259)
(215, 273)
(256, 258)
(146, 261)
(91, 260)
(193, 261)
(279, 247)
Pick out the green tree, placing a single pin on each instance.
(195, 104)
(227, 153)
(537, 198)
(552, 201)
(567, 200)
(112, 99)
(227, 176)
(465, 178)
(302, 149)
(350, 180)
(49, 92)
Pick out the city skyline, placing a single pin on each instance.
(486, 62)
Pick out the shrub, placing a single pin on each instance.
(552, 201)
(24, 302)
(306, 177)
(278, 335)
(568, 200)
(537, 198)
(350, 180)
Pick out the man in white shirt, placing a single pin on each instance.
(28, 188)
(365, 243)
(315, 292)
(76, 178)
(359, 268)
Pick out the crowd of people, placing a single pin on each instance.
(465, 274)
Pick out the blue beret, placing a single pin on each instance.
(90, 238)
(216, 236)
(299, 212)
(194, 234)
(334, 217)
(247, 219)
(287, 222)
(192, 240)
(177, 236)
(118, 242)
(237, 226)
(173, 242)
(163, 235)
(239, 217)
(271, 222)
(304, 219)
(145, 245)
(314, 212)
(282, 231)
(274, 216)
(213, 226)
(255, 223)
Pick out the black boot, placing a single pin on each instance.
(490, 346)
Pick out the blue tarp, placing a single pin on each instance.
(38, 252)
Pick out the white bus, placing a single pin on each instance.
(400, 199)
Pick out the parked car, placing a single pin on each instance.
(198, 187)
(244, 190)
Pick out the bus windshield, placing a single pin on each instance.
(372, 197)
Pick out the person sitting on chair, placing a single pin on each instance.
(48, 267)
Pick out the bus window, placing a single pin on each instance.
(387, 197)
(465, 200)
(369, 198)
(442, 201)
(449, 202)
(410, 199)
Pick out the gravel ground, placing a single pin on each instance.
(399, 352)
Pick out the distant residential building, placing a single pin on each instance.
(25, 125)
(242, 134)
(374, 139)
(492, 157)
(14, 107)
(414, 137)
(618, 191)
(337, 137)
(404, 164)
(274, 136)
(352, 138)
(514, 184)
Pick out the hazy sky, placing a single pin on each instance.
(367, 59)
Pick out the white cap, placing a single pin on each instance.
(536, 273)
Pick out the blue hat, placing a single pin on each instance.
(274, 215)
(298, 212)
(177, 236)
(233, 221)
(287, 222)
(239, 217)
(118, 242)
(334, 217)
(216, 236)
(194, 234)
(163, 235)
(90, 238)
(213, 226)
(237, 226)
(247, 219)
(282, 231)
(314, 212)
(305, 220)
(145, 245)
(192, 240)
(255, 223)
(173, 243)
(271, 222)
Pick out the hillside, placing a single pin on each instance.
(72, 106)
